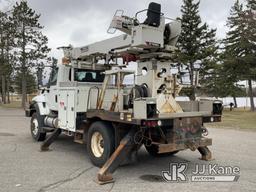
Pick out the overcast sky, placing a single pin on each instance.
(80, 22)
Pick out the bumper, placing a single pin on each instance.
(189, 144)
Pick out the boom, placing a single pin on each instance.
(153, 35)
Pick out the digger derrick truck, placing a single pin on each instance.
(89, 98)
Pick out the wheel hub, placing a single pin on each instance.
(97, 144)
(35, 127)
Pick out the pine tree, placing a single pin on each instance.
(197, 44)
(221, 84)
(249, 45)
(7, 30)
(240, 45)
(3, 21)
(30, 85)
(31, 44)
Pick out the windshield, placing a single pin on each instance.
(83, 75)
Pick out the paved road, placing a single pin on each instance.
(67, 167)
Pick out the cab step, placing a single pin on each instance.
(79, 135)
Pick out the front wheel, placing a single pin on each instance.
(36, 125)
(100, 145)
(153, 151)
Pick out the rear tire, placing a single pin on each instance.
(153, 151)
(36, 124)
(101, 142)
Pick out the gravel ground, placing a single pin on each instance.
(67, 167)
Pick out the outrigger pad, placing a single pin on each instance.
(104, 179)
(206, 153)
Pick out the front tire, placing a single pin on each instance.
(101, 143)
(153, 151)
(36, 125)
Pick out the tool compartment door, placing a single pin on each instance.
(71, 110)
(67, 109)
(62, 106)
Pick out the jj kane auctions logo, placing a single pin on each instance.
(201, 173)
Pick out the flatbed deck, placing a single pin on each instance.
(126, 117)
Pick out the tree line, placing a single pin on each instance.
(220, 63)
(23, 47)
(214, 66)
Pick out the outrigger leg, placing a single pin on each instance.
(45, 145)
(125, 148)
(205, 152)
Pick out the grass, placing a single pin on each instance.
(13, 104)
(237, 119)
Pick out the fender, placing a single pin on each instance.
(40, 100)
